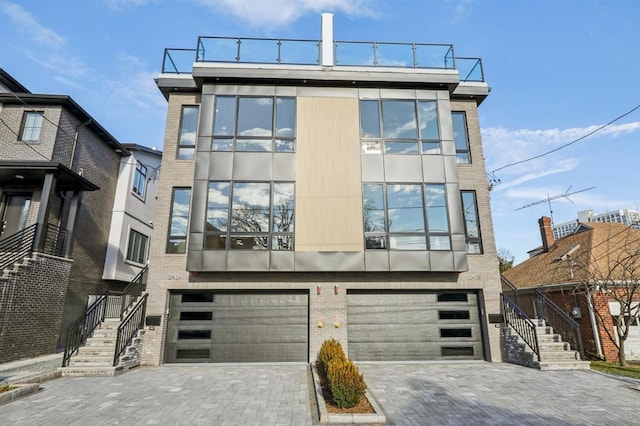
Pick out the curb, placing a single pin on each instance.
(18, 391)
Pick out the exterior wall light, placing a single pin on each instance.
(319, 290)
(336, 289)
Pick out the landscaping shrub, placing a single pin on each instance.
(346, 382)
(330, 350)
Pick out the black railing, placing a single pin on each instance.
(56, 240)
(17, 246)
(520, 323)
(133, 322)
(561, 322)
(133, 290)
(81, 329)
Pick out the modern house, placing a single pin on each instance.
(626, 217)
(134, 205)
(58, 176)
(589, 275)
(316, 189)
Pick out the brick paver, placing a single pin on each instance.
(410, 394)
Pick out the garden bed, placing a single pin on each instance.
(17, 390)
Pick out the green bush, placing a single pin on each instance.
(346, 382)
(330, 350)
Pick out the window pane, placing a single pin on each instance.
(282, 242)
(428, 120)
(197, 297)
(136, 250)
(400, 147)
(369, 119)
(188, 127)
(470, 214)
(474, 247)
(225, 115)
(439, 242)
(376, 242)
(437, 219)
(453, 315)
(32, 126)
(406, 219)
(194, 334)
(283, 207)
(176, 245)
(215, 242)
(399, 120)
(285, 145)
(222, 145)
(431, 148)
(404, 196)
(373, 196)
(374, 221)
(179, 221)
(401, 242)
(249, 242)
(254, 145)
(460, 136)
(455, 332)
(285, 117)
(217, 220)
(218, 195)
(255, 117)
(251, 195)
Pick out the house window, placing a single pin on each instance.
(31, 126)
(406, 217)
(399, 127)
(188, 128)
(250, 216)
(471, 223)
(461, 137)
(179, 221)
(254, 124)
(137, 248)
(139, 180)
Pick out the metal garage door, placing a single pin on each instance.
(413, 326)
(207, 326)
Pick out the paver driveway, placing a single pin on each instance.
(410, 394)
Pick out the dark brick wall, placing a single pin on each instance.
(31, 305)
(566, 301)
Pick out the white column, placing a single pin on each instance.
(326, 42)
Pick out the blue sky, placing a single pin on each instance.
(558, 69)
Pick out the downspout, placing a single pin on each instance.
(75, 142)
(594, 325)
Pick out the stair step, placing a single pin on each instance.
(85, 360)
(103, 332)
(549, 338)
(564, 365)
(93, 371)
(97, 350)
(101, 341)
(559, 356)
(553, 346)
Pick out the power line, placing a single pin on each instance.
(24, 142)
(496, 180)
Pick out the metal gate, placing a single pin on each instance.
(215, 326)
(413, 326)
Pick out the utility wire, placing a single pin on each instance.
(24, 142)
(562, 146)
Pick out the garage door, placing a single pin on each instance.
(412, 326)
(209, 326)
(632, 344)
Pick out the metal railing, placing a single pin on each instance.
(561, 322)
(82, 328)
(278, 51)
(133, 290)
(133, 322)
(520, 323)
(17, 246)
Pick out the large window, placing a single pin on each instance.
(399, 127)
(461, 137)
(179, 221)
(137, 247)
(254, 124)
(250, 216)
(406, 217)
(31, 126)
(188, 130)
(139, 179)
(472, 226)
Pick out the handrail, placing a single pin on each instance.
(56, 240)
(520, 322)
(83, 327)
(560, 321)
(133, 290)
(133, 322)
(17, 246)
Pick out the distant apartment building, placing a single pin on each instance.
(316, 189)
(626, 217)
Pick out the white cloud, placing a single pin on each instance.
(122, 5)
(274, 13)
(28, 25)
(462, 9)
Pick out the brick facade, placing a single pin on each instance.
(31, 304)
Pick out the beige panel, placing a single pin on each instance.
(328, 184)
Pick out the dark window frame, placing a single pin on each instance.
(466, 152)
(177, 237)
(24, 128)
(141, 257)
(470, 239)
(139, 186)
(181, 142)
(233, 139)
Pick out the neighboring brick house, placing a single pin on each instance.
(58, 175)
(584, 273)
(306, 198)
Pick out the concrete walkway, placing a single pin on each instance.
(410, 394)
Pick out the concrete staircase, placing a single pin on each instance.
(95, 358)
(19, 267)
(554, 353)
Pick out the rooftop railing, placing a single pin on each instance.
(307, 52)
